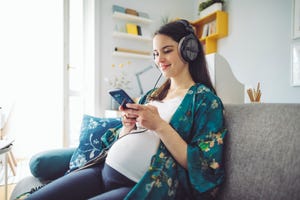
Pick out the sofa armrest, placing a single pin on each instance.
(50, 165)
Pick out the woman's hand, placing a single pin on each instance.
(128, 121)
(146, 115)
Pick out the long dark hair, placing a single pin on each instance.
(197, 68)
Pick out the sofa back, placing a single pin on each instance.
(262, 153)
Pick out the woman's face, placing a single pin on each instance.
(166, 56)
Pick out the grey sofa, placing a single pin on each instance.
(262, 154)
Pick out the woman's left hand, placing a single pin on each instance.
(148, 116)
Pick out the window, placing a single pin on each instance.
(74, 73)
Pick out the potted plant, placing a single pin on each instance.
(207, 7)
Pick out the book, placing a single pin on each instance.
(117, 8)
(132, 29)
(139, 30)
(205, 31)
(212, 27)
(131, 12)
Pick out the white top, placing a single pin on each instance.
(131, 154)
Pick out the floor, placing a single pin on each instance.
(9, 190)
(22, 170)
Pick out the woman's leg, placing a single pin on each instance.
(112, 179)
(79, 185)
(116, 194)
(116, 185)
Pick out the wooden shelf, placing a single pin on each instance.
(131, 36)
(131, 55)
(132, 18)
(221, 30)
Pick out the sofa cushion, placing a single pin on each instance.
(49, 165)
(25, 185)
(262, 152)
(92, 128)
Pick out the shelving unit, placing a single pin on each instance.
(220, 30)
(141, 39)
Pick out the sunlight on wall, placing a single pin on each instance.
(31, 73)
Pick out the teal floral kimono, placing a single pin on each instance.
(199, 121)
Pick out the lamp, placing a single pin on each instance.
(138, 77)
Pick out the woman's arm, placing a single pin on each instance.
(149, 118)
(204, 153)
(174, 143)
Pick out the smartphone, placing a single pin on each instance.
(121, 97)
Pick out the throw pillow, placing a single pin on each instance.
(49, 165)
(92, 129)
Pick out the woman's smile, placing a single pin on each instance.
(164, 67)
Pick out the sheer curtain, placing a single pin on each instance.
(31, 73)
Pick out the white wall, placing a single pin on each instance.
(258, 47)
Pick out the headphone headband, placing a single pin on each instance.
(187, 25)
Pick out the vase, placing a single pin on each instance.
(210, 9)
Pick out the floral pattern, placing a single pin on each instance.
(199, 121)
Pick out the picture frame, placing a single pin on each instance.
(296, 19)
(295, 64)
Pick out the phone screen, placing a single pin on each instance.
(121, 97)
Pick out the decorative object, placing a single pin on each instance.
(165, 19)
(210, 6)
(296, 19)
(119, 80)
(139, 80)
(254, 94)
(295, 71)
(126, 50)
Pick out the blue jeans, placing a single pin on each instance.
(95, 183)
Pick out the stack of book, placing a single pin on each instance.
(133, 29)
(117, 8)
(209, 29)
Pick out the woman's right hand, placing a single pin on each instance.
(128, 121)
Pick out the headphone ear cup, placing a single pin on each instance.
(188, 48)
